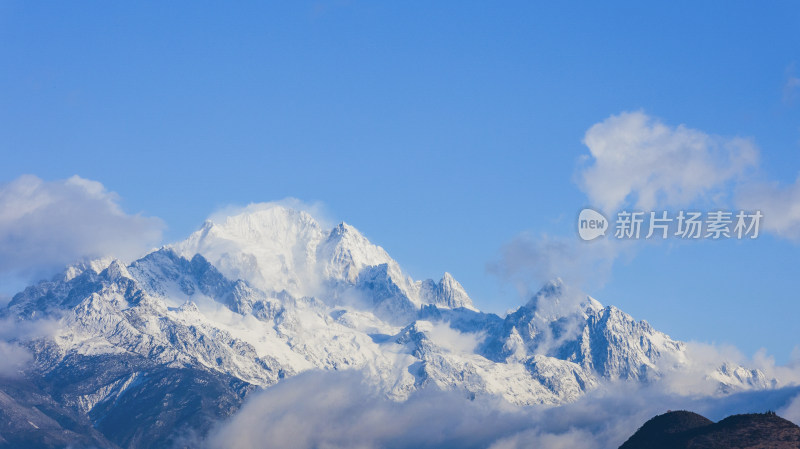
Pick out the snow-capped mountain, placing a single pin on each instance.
(178, 338)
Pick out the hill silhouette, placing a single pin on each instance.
(684, 429)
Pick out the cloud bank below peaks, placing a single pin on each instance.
(338, 409)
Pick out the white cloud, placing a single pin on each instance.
(634, 161)
(45, 225)
(638, 160)
(779, 204)
(315, 209)
(572, 439)
(792, 410)
(338, 410)
(448, 338)
(788, 374)
(13, 358)
(11, 329)
(528, 261)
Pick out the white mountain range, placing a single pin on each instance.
(269, 293)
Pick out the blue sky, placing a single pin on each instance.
(441, 131)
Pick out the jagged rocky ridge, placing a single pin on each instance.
(177, 339)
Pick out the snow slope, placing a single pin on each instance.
(269, 293)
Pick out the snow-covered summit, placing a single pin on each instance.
(273, 248)
(276, 248)
(345, 252)
(448, 292)
(254, 298)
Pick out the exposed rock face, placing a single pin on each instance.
(178, 338)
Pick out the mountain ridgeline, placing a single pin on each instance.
(138, 355)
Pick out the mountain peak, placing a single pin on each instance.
(265, 221)
(271, 246)
(341, 229)
(556, 299)
(346, 252)
(75, 270)
(552, 288)
(452, 294)
(276, 248)
(115, 271)
(548, 300)
(208, 309)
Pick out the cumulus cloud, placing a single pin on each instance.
(339, 410)
(45, 225)
(636, 159)
(637, 162)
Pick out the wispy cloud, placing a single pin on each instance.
(530, 260)
(45, 225)
(316, 209)
(13, 359)
(791, 86)
(14, 356)
(780, 205)
(637, 162)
